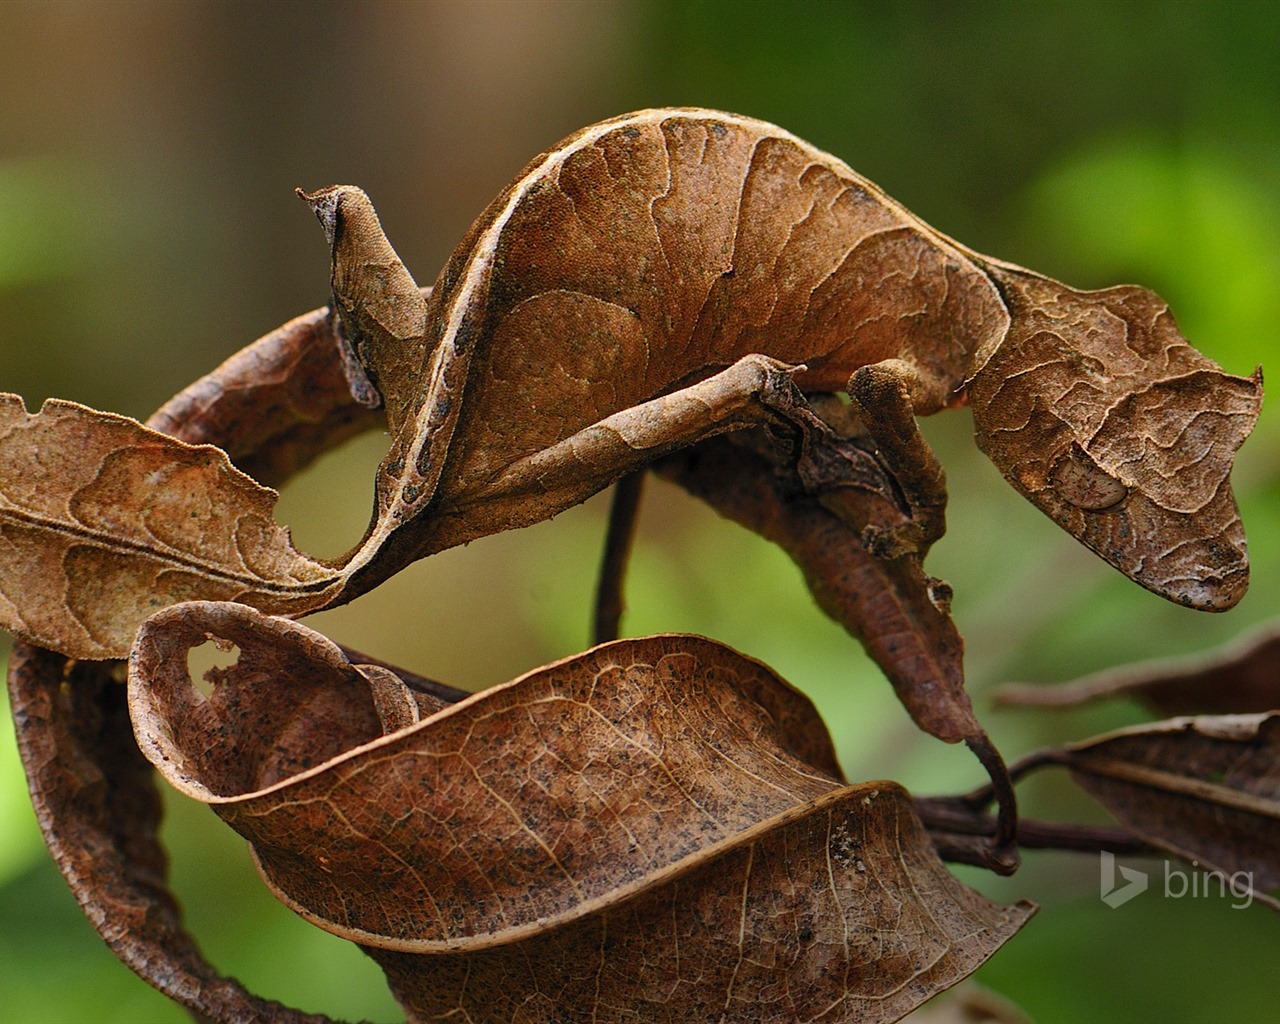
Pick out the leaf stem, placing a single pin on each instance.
(617, 550)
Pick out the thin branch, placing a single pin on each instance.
(617, 550)
(982, 796)
(963, 834)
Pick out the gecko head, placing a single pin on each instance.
(1099, 411)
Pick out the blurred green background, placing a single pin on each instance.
(147, 230)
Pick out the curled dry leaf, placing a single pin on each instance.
(841, 913)
(742, 234)
(102, 521)
(95, 799)
(1239, 677)
(93, 793)
(654, 829)
(1206, 789)
(900, 614)
(276, 404)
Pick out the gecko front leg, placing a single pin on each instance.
(882, 393)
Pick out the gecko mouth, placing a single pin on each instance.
(1197, 560)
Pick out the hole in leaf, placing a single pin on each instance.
(210, 657)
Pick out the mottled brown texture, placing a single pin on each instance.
(93, 793)
(650, 252)
(95, 799)
(102, 521)
(380, 310)
(636, 259)
(1097, 409)
(842, 913)
(631, 756)
(658, 824)
(275, 405)
(1205, 788)
(899, 613)
(650, 282)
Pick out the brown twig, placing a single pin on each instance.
(963, 834)
(613, 565)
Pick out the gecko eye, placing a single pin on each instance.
(1076, 478)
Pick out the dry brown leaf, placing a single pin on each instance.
(274, 405)
(906, 372)
(899, 613)
(93, 793)
(657, 824)
(102, 521)
(842, 913)
(95, 799)
(1240, 677)
(1206, 789)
